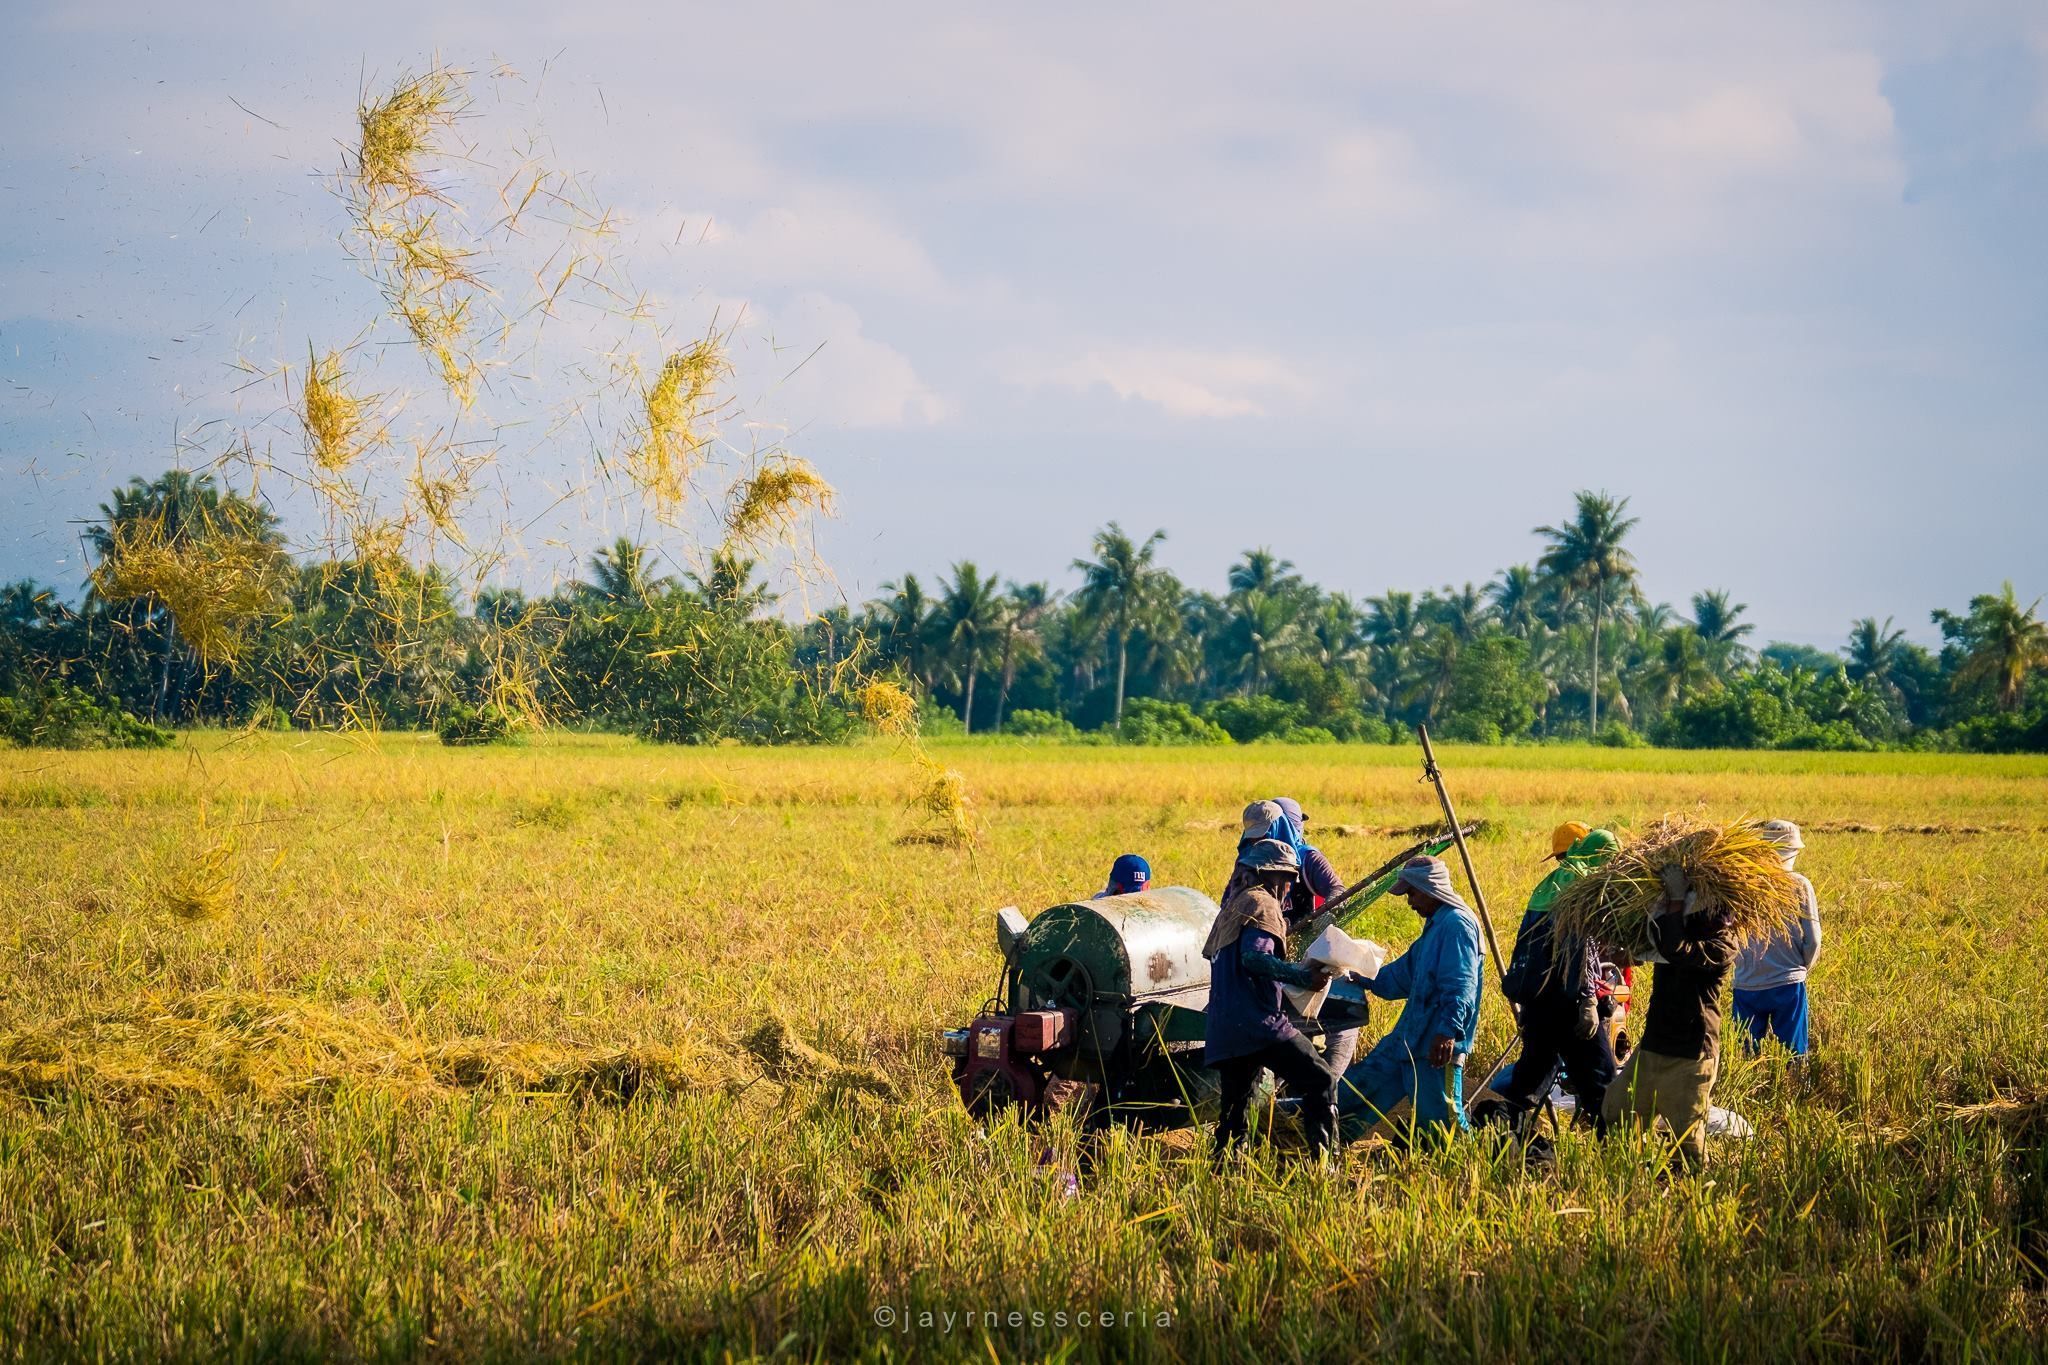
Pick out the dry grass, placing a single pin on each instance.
(1734, 868)
(196, 885)
(771, 506)
(214, 587)
(394, 1069)
(403, 129)
(332, 416)
(669, 439)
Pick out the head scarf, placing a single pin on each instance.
(1250, 903)
(1432, 875)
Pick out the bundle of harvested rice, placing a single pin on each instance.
(1733, 868)
(769, 506)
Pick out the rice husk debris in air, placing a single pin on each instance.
(1734, 868)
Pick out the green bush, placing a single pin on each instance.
(1494, 691)
(1470, 729)
(1371, 729)
(2005, 732)
(1148, 720)
(465, 724)
(1250, 719)
(55, 715)
(1308, 734)
(1620, 735)
(1039, 725)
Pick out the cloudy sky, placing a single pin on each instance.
(1378, 286)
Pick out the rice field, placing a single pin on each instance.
(341, 1046)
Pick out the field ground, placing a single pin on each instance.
(317, 1046)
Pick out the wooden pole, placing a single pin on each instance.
(1436, 777)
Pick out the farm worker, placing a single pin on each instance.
(1261, 820)
(1670, 1075)
(1422, 1060)
(1128, 875)
(1319, 882)
(1770, 977)
(1248, 1031)
(1556, 985)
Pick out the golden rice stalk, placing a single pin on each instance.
(771, 505)
(944, 798)
(1735, 869)
(214, 588)
(199, 887)
(420, 254)
(666, 451)
(331, 415)
(401, 129)
(786, 1058)
(439, 324)
(222, 1042)
(888, 708)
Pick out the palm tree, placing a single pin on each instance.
(728, 587)
(1024, 607)
(1587, 552)
(1396, 629)
(1263, 571)
(969, 619)
(906, 613)
(1681, 668)
(2011, 643)
(1262, 623)
(1119, 588)
(1875, 652)
(1715, 621)
(1514, 597)
(621, 574)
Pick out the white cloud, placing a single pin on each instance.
(818, 243)
(1823, 120)
(1181, 383)
(852, 380)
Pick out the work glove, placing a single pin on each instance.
(1587, 1022)
(1675, 885)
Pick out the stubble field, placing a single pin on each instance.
(326, 1046)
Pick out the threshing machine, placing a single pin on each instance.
(1101, 1006)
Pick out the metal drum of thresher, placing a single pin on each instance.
(1132, 969)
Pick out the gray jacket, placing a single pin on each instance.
(1784, 960)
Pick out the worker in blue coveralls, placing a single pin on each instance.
(1422, 1060)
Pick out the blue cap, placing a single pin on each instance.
(1129, 874)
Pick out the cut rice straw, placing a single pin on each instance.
(771, 505)
(1735, 869)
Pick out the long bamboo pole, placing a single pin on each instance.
(1443, 796)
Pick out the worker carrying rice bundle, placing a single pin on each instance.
(1556, 984)
(1687, 897)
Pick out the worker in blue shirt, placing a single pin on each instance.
(1422, 1060)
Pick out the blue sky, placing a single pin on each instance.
(1378, 286)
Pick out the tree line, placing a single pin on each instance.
(195, 612)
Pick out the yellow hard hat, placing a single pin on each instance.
(1565, 835)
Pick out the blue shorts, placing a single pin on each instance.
(1780, 1010)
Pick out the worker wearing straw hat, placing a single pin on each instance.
(1247, 1030)
(1670, 1075)
(1557, 986)
(1422, 1059)
(1770, 975)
